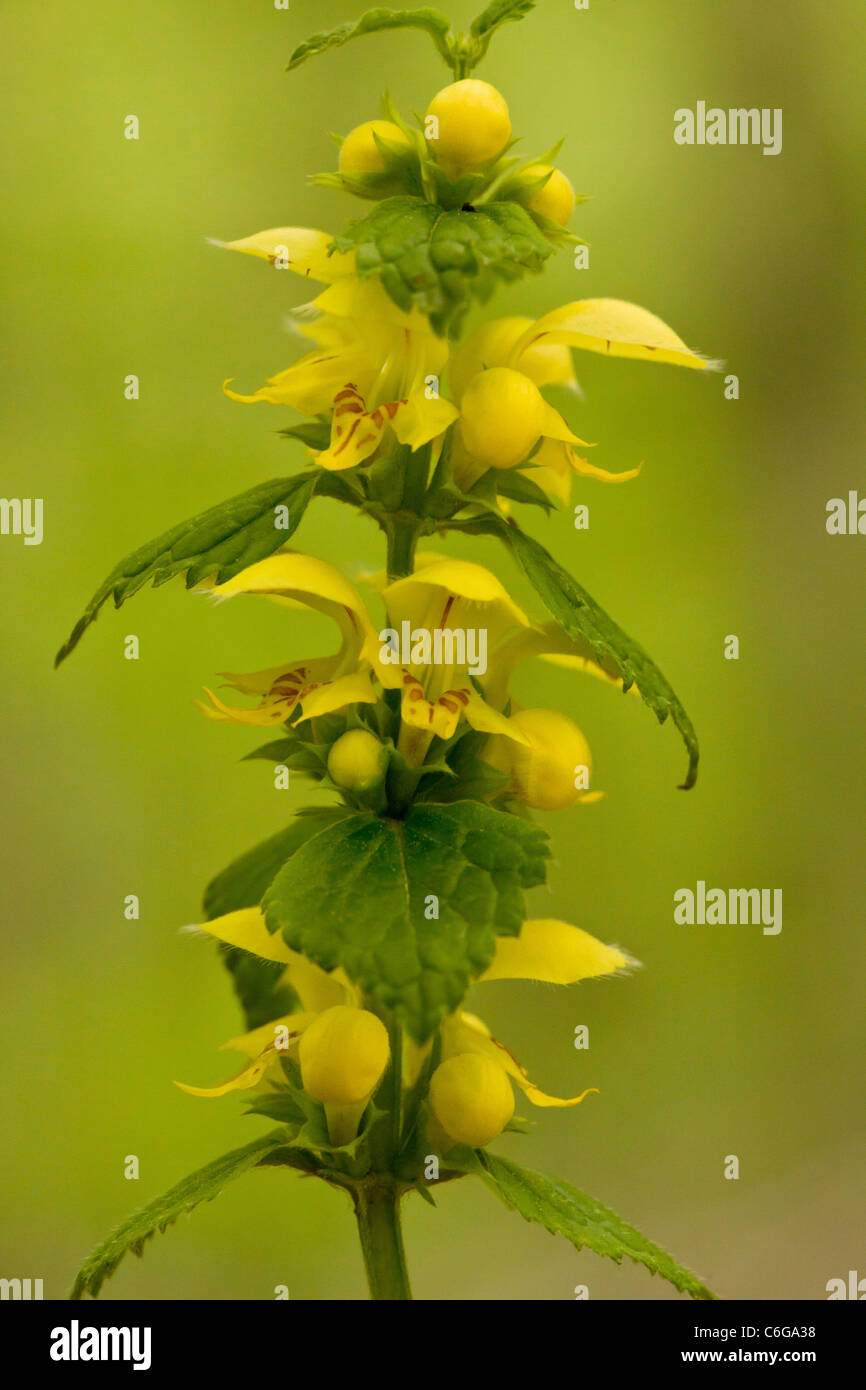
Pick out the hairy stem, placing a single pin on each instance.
(377, 1209)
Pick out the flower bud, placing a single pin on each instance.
(501, 417)
(357, 761)
(555, 199)
(552, 771)
(343, 1055)
(472, 1099)
(492, 345)
(471, 125)
(359, 153)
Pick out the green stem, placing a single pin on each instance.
(377, 1208)
(403, 533)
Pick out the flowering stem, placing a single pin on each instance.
(403, 535)
(377, 1208)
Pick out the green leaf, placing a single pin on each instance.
(355, 895)
(374, 21)
(519, 488)
(222, 541)
(497, 13)
(585, 621)
(243, 884)
(563, 1210)
(438, 261)
(316, 434)
(245, 881)
(201, 1186)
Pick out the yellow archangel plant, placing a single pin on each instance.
(354, 934)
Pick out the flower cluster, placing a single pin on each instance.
(355, 934)
(383, 385)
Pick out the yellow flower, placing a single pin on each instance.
(546, 950)
(467, 125)
(503, 415)
(491, 345)
(318, 991)
(376, 367)
(342, 1062)
(319, 684)
(498, 415)
(552, 769)
(342, 1049)
(470, 610)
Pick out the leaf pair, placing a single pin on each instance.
(438, 261)
(548, 1202)
(461, 52)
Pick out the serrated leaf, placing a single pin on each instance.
(158, 1215)
(438, 261)
(355, 895)
(497, 13)
(375, 21)
(585, 621)
(563, 1210)
(222, 540)
(243, 884)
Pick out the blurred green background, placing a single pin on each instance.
(728, 1042)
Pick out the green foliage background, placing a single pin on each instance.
(729, 1041)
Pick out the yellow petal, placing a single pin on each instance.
(465, 1032)
(308, 386)
(461, 578)
(293, 575)
(615, 328)
(590, 470)
(354, 689)
(554, 952)
(303, 248)
(368, 300)
(483, 717)
(418, 420)
(246, 929)
(261, 717)
(259, 1040)
(355, 431)
(555, 427)
(244, 1081)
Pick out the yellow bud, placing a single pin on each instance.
(343, 1054)
(359, 153)
(493, 344)
(552, 772)
(501, 417)
(472, 1099)
(556, 198)
(470, 125)
(357, 761)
